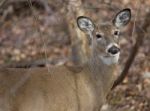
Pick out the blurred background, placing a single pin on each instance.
(38, 30)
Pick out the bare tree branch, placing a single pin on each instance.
(138, 44)
(2, 2)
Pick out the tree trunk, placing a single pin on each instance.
(78, 38)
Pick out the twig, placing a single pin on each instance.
(35, 63)
(2, 2)
(139, 41)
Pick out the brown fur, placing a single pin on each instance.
(37, 90)
(81, 88)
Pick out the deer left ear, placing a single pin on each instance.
(122, 18)
(85, 24)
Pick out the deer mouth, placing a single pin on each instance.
(110, 59)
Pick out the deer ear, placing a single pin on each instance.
(122, 18)
(85, 24)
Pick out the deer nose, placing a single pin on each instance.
(113, 50)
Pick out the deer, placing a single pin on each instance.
(63, 88)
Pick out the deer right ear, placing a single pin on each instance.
(122, 18)
(85, 24)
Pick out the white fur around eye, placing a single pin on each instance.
(116, 32)
(98, 36)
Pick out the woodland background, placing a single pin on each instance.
(37, 33)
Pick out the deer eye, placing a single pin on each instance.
(116, 33)
(98, 36)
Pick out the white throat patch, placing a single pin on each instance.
(110, 60)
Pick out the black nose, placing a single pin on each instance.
(113, 50)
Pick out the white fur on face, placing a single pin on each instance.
(110, 60)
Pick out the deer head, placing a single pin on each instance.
(104, 37)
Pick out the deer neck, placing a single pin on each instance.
(101, 74)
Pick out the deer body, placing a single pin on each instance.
(33, 90)
(63, 89)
